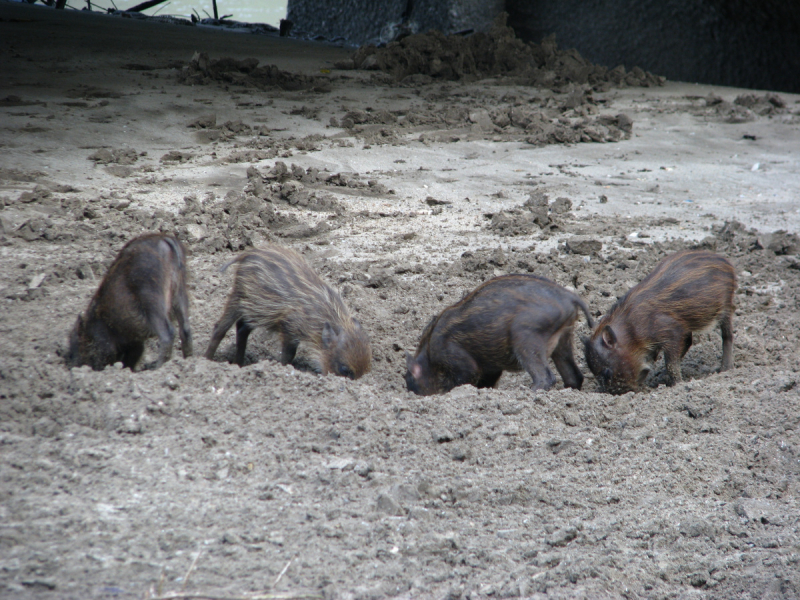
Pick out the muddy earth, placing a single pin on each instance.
(405, 189)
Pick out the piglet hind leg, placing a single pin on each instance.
(726, 328)
(674, 349)
(243, 330)
(289, 344)
(131, 355)
(530, 349)
(181, 313)
(166, 337)
(564, 360)
(488, 380)
(229, 317)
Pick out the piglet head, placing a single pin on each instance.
(345, 350)
(420, 378)
(73, 355)
(613, 364)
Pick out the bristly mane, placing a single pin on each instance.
(426, 333)
(618, 303)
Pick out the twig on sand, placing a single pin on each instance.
(181, 595)
(191, 568)
(278, 578)
(161, 579)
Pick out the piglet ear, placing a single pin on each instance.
(643, 374)
(413, 366)
(416, 370)
(609, 337)
(329, 336)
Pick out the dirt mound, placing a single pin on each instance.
(546, 121)
(202, 70)
(495, 54)
(361, 490)
(535, 213)
(744, 108)
(235, 222)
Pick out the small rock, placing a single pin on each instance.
(498, 257)
(230, 538)
(461, 454)
(46, 427)
(556, 445)
(419, 513)
(132, 424)
(624, 122)
(340, 463)
(482, 119)
(362, 468)
(561, 206)
(389, 505)
(756, 509)
(583, 245)
(442, 436)
(370, 63)
(404, 493)
(204, 122)
(781, 242)
(348, 64)
(39, 584)
(196, 232)
(36, 281)
(562, 537)
(697, 529)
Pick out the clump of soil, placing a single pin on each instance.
(202, 70)
(534, 214)
(295, 185)
(537, 122)
(494, 54)
(744, 108)
(119, 156)
(768, 104)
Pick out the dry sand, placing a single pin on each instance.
(201, 479)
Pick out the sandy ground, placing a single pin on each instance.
(201, 479)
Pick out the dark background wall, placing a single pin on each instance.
(378, 21)
(743, 43)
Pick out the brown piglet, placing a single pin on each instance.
(508, 323)
(144, 288)
(275, 288)
(687, 292)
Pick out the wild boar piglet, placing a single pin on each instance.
(275, 288)
(509, 323)
(143, 290)
(687, 292)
